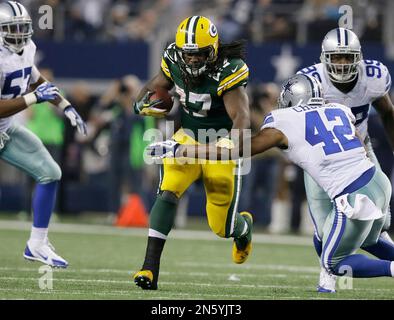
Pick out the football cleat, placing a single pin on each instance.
(326, 282)
(243, 246)
(385, 236)
(144, 279)
(44, 252)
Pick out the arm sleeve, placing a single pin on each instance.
(234, 75)
(380, 86)
(35, 74)
(277, 120)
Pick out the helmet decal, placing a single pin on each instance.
(212, 30)
(300, 89)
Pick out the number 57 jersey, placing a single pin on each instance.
(322, 141)
(17, 72)
(373, 82)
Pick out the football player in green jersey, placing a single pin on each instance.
(210, 79)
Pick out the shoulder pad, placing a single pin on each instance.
(313, 70)
(377, 76)
(233, 73)
(169, 53)
(168, 59)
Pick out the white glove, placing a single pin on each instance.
(162, 149)
(75, 119)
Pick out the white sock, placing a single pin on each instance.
(156, 234)
(392, 268)
(38, 234)
(245, 230)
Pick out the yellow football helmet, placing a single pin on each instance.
(197, 35)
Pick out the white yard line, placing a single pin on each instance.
(128, 293)
(166, 283)
(229, 267)
(142, 232)
(277, 267)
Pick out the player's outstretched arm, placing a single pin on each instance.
(264, 140)
(385, 108)
(143, 105)
(267, 139)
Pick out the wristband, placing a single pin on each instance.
(30, 98)
(64, 103)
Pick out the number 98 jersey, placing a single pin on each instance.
(17, 72)
(322, 141)
(374, 81)
(202, 105)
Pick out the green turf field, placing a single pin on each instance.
(196, 265)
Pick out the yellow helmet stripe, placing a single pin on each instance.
(191, 31)
(195, 29)
(186, 29)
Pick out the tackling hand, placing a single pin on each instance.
(163, 149)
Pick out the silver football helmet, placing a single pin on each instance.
(300, 89)
(15, 26)
(341, 41)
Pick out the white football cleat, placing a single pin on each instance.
(327, 282)
(45, 253)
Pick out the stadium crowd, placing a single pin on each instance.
(255, 20)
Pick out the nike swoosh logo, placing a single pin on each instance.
(235, 69)
(44, 257)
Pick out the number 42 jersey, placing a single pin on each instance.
(322, 141)
(374, 81)
(17, 72)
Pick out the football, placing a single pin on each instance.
(162, 94)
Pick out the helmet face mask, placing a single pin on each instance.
(16, 34)
(341, 54)
(195, 62)
(342, 72)
(16, 27)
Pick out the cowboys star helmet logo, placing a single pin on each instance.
(287, 87)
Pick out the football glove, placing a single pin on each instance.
(46, 91)
(162, 149)
(75, 119)
(145, 107)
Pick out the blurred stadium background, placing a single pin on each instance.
(100, 52)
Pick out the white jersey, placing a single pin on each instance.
(322, 141)
(17, 72)
(373, 82)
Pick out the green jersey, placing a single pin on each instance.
(202, 106)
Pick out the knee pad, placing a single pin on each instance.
(168, 196)
(52, 172)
